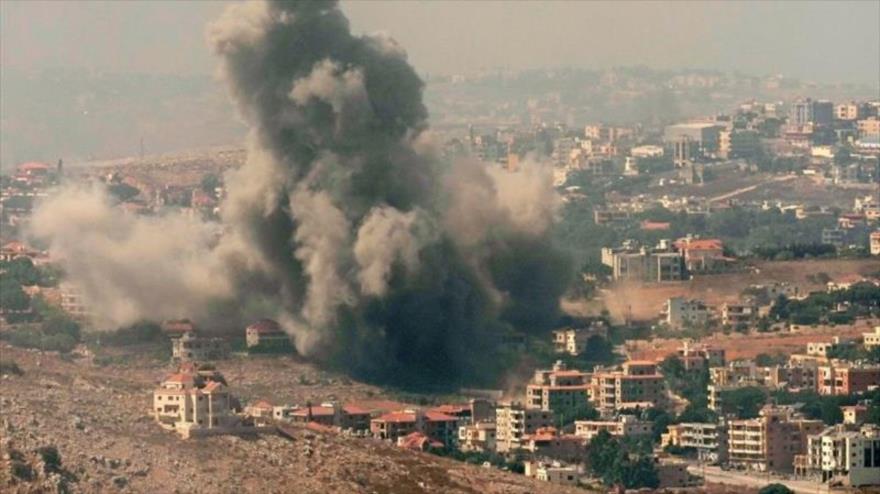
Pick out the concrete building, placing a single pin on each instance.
(700, 138)
(644, 265)
(770, 441)
(547, 442)
(872, 340)
(701, 254)
(874, 241)
(192, 403)
(191, 347)
(573, 341)
(513, 421)
(637, 385)
(673, 474)
(560, 390)
(331, 414)
(437, 426)
(854, 414)
(623, 426)
(681, 313)
(479, 437)
(845, 378)
(734, 314)
(553, 472)
(708, 438)
(265, 332)
(851, 458)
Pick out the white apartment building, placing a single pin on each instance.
(850, 457)
(513, 421)
(681, 312)
(624, 426)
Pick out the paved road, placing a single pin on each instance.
(716, 475)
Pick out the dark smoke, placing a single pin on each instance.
(378, 258)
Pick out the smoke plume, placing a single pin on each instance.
(375, 254)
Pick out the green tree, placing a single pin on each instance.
(12, 297)
(775, 488)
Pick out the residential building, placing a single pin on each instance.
(560, 390)
(846, 111)
(854, 414)
(848, 457)
(868, 127)
(673, 474)
(265, 332)
(735, 314)
(192, 347)
(645, 265)
(872, 340)
(701, 254)
(437, 426)
(573, 341)
(711, 357)
(547, 442)
(623, 426)
(770, 441)
(478, 437)
(553, 472)
(701, 138)
(845, 378)
(637, 385)
(418, 441)
(513, 421)
(708, 438)
(681, 313)
(332, 414)
(193, 402)
(874, 240)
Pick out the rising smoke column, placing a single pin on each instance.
(357, 219)
(379, 258)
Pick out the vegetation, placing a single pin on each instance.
(837, 307)
(623, 463)
(775, 489)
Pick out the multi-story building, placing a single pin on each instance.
(872, 340)
(770, 441)
(266, 333)
(874, 241)
(332, 414)
(637, 385)
(708, 438)
(193, 402)
(701, 254)
(869, 127)
(702, 137)
(681, 312)
(513, 421)
(560, 390)
(854, 414)
(573, 341)
(846, 456)
(844, 378)
(734, 314)
(477, 437)
(623, 426)
(547, 442)
(846, 111)
(711, 357)
(646, 265)
(437, 426)
(191, 347)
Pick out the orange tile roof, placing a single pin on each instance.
(439, 417)
(398, 417)
(700, 244)
(451, 409)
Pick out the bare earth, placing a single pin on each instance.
(98, 419)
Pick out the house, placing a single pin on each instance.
(437, 426)
(418, 441)
(175, 328)
(193, 402)
(553, 472)
(736, 314)
(265, 333)
(344, 417)
(261, 411)
(629, 263)
(478, 437)
(845, 378)
(673, 474)
(872, 340)
(701, 254)
(547, 442)
(854, 414)
(623, 426)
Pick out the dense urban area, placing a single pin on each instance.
(506, 281)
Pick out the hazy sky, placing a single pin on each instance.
(824, 41)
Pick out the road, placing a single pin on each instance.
(716, 475)
(750, 188)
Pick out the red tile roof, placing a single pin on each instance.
(439, 417)
(397, 417)
(451, 409)
(700, 244)
(418, 441)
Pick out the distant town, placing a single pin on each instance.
(684, 359)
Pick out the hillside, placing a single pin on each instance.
(97, 418)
